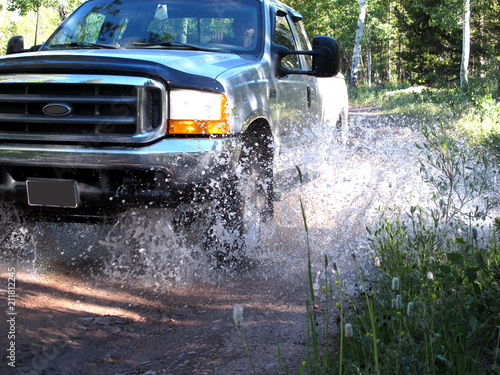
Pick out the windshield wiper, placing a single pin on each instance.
(87, 45)
(172, 45)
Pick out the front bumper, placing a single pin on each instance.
(166, 173)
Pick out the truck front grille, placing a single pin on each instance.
(81, 108)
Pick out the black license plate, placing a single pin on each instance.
(52, 193)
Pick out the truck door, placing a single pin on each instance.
(313, 101)
(292, 90)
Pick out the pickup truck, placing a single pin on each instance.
(162, 103)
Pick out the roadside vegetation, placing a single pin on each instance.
(473, 116)
(434, 307)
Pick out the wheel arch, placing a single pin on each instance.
(259, 132)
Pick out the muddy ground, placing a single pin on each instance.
(176, 317)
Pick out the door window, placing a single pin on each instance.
(283, 36)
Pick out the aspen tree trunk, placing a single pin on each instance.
(357, 44)
(498, 84)
(62, 10)
(464, 67)
(369, 58)
(482, 61)
(361, 72)
(389, 70)
(37, 22)
(184, 30)
(381, 64)
(400, 68)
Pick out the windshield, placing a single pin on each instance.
(220, 25)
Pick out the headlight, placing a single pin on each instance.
(198, 112)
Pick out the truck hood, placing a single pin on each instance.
(207, 64)
(191, 69)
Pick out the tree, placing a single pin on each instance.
(353, 82)
(464, 67)
(433, 39)
(335, 18)
(24, 6)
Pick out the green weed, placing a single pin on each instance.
(434, 307)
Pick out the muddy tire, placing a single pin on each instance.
(243, 201)
(341, 129)
(256, 178)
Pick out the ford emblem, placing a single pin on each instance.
(57, 110)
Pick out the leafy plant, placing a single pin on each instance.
(458, 174)
(434, 307)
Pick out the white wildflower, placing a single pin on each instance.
(430, 276)
(348, 330)
(377, 262)
(238, 316)
(395, 284)
(399, 302)
(409, 309)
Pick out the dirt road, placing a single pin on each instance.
(158, 307)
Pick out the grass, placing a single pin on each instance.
(435, 306)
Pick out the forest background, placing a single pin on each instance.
(418, 41)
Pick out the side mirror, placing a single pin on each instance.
(15, 45)
(325, 58)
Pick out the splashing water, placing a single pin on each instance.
(344, 185)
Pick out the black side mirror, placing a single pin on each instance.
(15, 45)
(326, 59)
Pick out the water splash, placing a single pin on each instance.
(344, 185)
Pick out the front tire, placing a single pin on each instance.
(244, 201)
(341, 128)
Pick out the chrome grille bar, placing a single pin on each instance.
(119, 109)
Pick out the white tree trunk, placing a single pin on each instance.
(389, 70)
(357, 44)
(37, 22)
(62, 10)
(369, 58)
(464, 67)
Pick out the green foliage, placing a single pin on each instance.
(433, 38)
(418, 40)
(434, 307)
(473, 116)
(450, 326)
(335, 18)
(11, 24)
(458, 174)
(25, 6)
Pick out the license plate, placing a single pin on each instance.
(52, 193)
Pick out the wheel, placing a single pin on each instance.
(244, 201)
(256, 178)
(341, 128)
